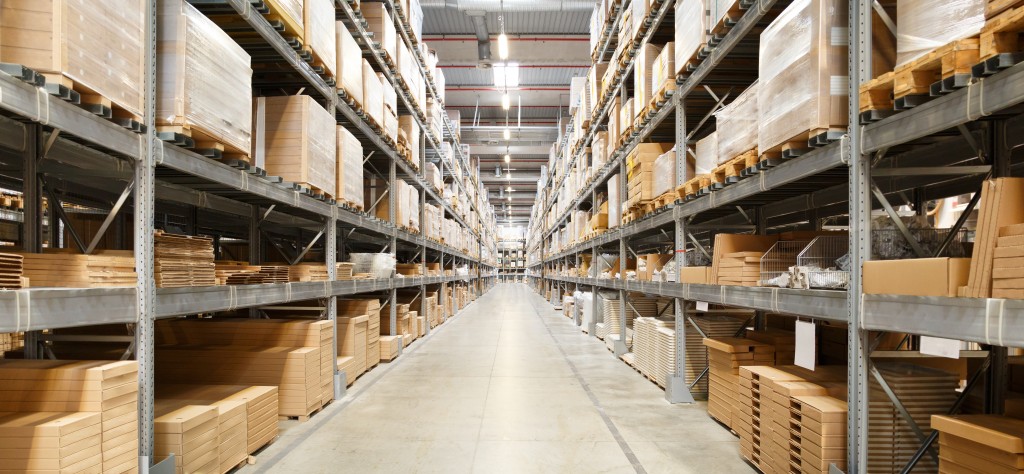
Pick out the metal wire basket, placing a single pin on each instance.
(819, 264)
(776, 262)
(891, 244)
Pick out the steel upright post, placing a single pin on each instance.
(676, 388)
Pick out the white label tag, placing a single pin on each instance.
(937, 346)
(805, 345)
(702, 306)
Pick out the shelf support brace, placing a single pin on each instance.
(897, 221)
(110, 217)
(902, 410)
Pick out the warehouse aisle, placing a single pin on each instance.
(510, 385)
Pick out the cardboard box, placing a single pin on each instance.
(916, 277)
(350, 64)
(297, 141)
(697, 275)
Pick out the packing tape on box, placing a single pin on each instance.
(994, 307)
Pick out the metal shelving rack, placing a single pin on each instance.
(98, 158)
(944, 147)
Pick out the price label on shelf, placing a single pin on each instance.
(702, 306)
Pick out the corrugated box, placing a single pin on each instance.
(350, 64)
(350, 168)
(320, 33)
(379, 23)
(373, 94)
(916, 277)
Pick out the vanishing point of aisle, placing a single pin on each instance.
(509, 385)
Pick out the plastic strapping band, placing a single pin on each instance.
(327, 289)
(775, 300)
(981, 99)
(721, 294)
(232, 296)
(203, 199)
(17, 311)
(158, 147)
(288, 291)
(28, 310)
(42, 104)
(761, 183)
(296, 199)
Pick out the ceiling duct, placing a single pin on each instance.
(491, 6)
(483, 39)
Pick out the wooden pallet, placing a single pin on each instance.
(663, 95)
(78, 94)
(730, 171)
(732, 15)
(665, 200)
(1001, 45)
(197, 139)
(939, 72)
(800, 144)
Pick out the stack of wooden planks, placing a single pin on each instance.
(274, 273)
(352, 346)
(1008, 263)
(390, 347)
(924, 392)
(307, 272)
(725, 357)
(371, 308)
(401, 317)
(980, 443)
(713, 326)
(183, 261)
(295, 355)
(343, 271)
(740, 268)
(108, 268)
(101, 396)
(11, 270)
(654, 348)
(1000, 206)
(257, 417)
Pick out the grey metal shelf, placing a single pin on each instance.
(53, 308)
(990, 321)
(822, 304)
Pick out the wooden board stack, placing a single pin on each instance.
(11, 342)
(307, 272)
(740, 268)
(725, 357)
(108, 268)
(190, 433)
(183, 260)
(390, 347)
(50, 441)
(292, 354)
(401, 314)
(343, 271)
(822, 432)
(714, 326)
(924, 392)
(980, 443)
(371, 308)
(259, 402)
(352, 346)
(1000, 206)
(274, 273)
(1008, 263)
(783, 341)
(11, 270)
(107, 389)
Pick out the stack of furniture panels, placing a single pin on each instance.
(51, 441)
(307, 272)
(183, 260)
(740, 268)
(275, 273)
(822, 432)
(190, 433)
(343, 270)
(713, 326)
(108, 268)
(11, 269)
(390, 347)
(259, 402)
(352, 345)
(371, 308)
(75, 388)
(725, 357)
(980, 443)
(1008, 263)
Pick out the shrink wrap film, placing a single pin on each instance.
(614, 201)
(664, 69)
(350, 168)
(379, 22)
(433, 176)
(414, 14)
(296, 142)
(691, 35)
(707, 154)
(664, 173)
(455, 117)
(641, 8)
(719, 10)
(291, 12)
(407, 68)
(98, 45)
(598, 151)
(926, 25)
(407, 123)
(802, 68)
(390, 126)
(412, 209)
(350, 64)
(643, 71)
(439, 84)
(596, 79)
(626, 115)
(320, 33)
(204, 79)
(576, 87)
(373, 95)
(388, 93)
(737, 125)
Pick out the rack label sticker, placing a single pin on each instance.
(940, 347)
(702, 306)
(805, 345)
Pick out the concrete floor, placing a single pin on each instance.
(509, 385)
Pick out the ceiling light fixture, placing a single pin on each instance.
(506, 101)
(508, 158)
(507, 133)
(503, 46)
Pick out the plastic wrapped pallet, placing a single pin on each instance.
(413, 207)
(379, 23)
(614, 201)
(664, 70)
(378, 265)
(596, 76)
(299, 140)
(737, 125)
(350, 64)
(388, 93)
(644, 70)
(373, 95)
(719, 11)
(707, 154)
(350, 168)
(926, 25)
(289, 12)
(691, 35)
(664, 173)
(599, 151)
(408, 124)
(204, 79)
(802, 66)
(390, 126)
(414, 15)
(320, 34)
(98, 45)
(433, 176)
